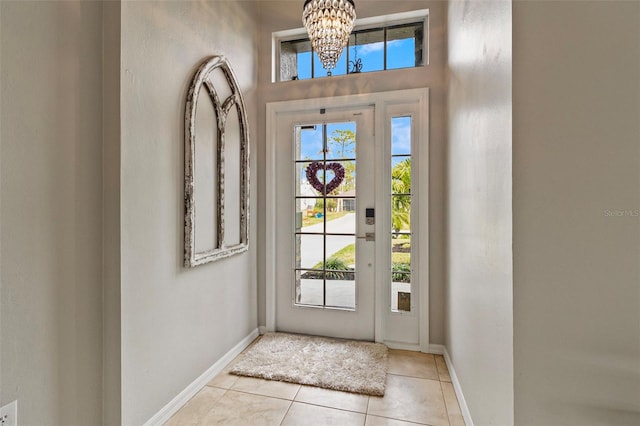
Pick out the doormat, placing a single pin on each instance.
(344, 365)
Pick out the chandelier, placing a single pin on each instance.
(329, 23)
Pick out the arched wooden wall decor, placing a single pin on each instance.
(216, 170)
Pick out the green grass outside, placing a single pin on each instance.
(308, 221)
(399, 257)
(348, 254)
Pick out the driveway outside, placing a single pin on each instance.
(311, 245)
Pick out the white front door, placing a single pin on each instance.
(330, 162)
(325, 163)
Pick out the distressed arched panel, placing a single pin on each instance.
(216, 166)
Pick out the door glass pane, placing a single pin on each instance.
(309, 143)
(341, 215)
(401, 252)
(401, 200)
(303, 187)
(341, 290)
(325, 239)
(338, 176)
(341, 253)
(400, 214)
(340, 271)
(309, 251)
(310, 215)
(401, 136)
(341, 141)
(310, 288)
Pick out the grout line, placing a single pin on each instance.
(285, 414)
(401, 420)
(413, 377)
(333, 408)
(297, 392)
(440, 373)
(437, 369)
(258, 394)
(444, 399)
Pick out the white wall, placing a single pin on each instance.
(51, 218)
(176, 322)
(576, 161)
(285, 15)
(479, 324)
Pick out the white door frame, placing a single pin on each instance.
(381, 102)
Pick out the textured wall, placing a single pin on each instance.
(176, 322)
(479, 257)
(51, 155)
(576, 212)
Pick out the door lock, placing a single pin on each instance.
(370, 216)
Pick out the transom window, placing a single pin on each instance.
(400, 42)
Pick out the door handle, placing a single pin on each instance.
(369, 236)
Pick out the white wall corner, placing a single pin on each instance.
(176, 403)
(466, 414)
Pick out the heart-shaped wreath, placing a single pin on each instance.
(312, 176)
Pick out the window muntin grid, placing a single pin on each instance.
(325, 267)
(377, 49)
(401, 201)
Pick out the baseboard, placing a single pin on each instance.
(466, 414)
(402, 346)
(436, 349)
(433, 349)
(176, 403)
(262, 329)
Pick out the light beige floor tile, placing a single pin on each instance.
(263, 387)
(223, 380)
(305, 414)
(333, 399)
(382, 421)
(237, 408)
(413, 364)
(411, 399)
(194, 411)
(453, 408)
(443, 371)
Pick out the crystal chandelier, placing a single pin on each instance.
(329, 23)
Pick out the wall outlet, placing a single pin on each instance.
(9, 414)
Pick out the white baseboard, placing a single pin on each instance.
(401, 346)
(262, 329)
(433, 349)
(466, 414)
(176, 403)
(436, 349)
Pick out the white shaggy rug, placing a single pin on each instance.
(344, 365)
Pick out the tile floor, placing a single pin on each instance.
(418, 391)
